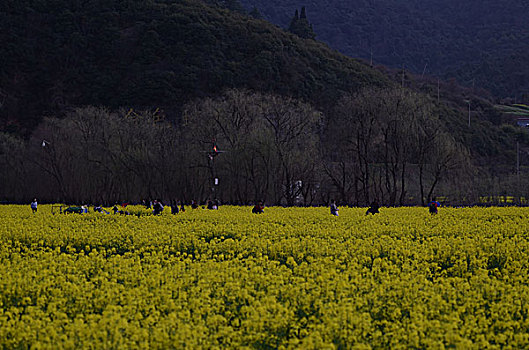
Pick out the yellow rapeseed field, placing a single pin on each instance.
(289, 278)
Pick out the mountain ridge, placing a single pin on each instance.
(448, 39)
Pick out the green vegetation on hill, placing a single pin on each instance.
(162, 54)
(517, 110)
(300, 25)
(485, 37)
(505, 74)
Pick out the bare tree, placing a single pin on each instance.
(353, 132)
(292, 124)
(100, 156)
(445, 156)
(269, 142)
(378, 137)
(14, 175)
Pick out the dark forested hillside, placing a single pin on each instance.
(153, 53)
(137, 91)
(463, 39)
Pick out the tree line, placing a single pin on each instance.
(377, 144)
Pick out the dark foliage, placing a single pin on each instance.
(255, 13)
(159, 55)
(232, 5)
(479, 42)
(300, 25)
(153, 54)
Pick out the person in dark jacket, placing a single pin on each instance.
(258, 208)
(433, 206)
(174, 207)
(373, 208)
(157, 207)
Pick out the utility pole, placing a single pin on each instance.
(469, 113)
(402, 76)
(212, 154)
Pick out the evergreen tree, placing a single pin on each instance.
(300, 26)
(294, 22)
(303, 13)
(255, 13)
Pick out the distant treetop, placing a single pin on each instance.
(300, 26)
(255, 13)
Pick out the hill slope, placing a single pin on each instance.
(435, 37)
(162, 54)
(153, 53)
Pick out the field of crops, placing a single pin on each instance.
(289, 278)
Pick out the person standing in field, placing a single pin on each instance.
(433, 206)
(157, 207)
(258, 208)
(174, 207)
(334, 208)
(34, 205)
(373, 208)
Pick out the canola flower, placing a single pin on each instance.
(290, 278)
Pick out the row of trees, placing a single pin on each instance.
(389, 142)
(385, 145)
